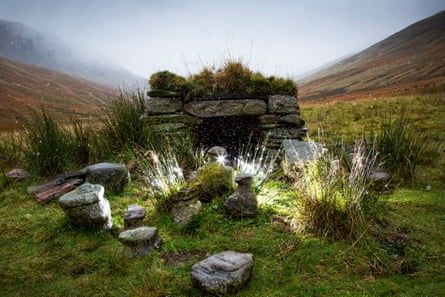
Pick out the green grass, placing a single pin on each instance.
(41, 255)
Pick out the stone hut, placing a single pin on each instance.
(228, 122)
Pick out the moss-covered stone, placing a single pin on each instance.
(211, 181)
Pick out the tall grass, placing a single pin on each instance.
(122, 121)
(47, 148)
(11, 150)
(402, 148)
(334, 201)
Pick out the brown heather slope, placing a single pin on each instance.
(409, 60)
(25, 87)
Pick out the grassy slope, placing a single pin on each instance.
(410, 59)
(41, 255)
(24, 87)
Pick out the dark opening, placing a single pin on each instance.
(233, 133)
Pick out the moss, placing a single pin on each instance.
(211, 181)
(281, 86)
(259, 85)
(168, 81)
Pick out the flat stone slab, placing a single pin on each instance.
(87, 207)
(163, 105)
(296, 151)
(282, 104)
(220, 108)
(140, 241)
(48, 194)
(223, 273)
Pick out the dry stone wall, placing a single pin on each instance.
(278, 116)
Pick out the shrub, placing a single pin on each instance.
(122, 124)
(168, 81)
(335, 202)
(81, 144)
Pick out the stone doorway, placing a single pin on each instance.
(232, 132)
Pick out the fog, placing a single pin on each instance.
(277, 37)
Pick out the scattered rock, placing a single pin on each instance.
(380, 176)
(218, 154)
(301, 152)
(282, 104)
(134, 216)
(220, 108)
(223, 273)
(17, 174)
(113, 176)
(183, 211)
(140, 241)
(87, 207)
(243, 202)
(48, 194)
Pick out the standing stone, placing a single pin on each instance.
(87, 207)
(300, 152)
(134, 216)
(112, 176)
(282, 104)
(243, 202)
(140, 241)
(17, 174)
(223, 273)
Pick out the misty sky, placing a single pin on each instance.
(274, 36)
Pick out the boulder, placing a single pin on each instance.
(87, 207)
(301, 152)
(17, 174)
(281, 104)
(140, 241)
(220, 108)
(134, 216)
(223, 273)
(242, 203)
(183, 211)
(113, 176)
(163, 105)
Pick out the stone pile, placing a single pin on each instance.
(242, 203)
(87, 207)
(140, 241)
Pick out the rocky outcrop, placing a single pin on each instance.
(87, 207)
(223, 273)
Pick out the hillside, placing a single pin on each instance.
(22, 43)
(23, 87)
(413, 58)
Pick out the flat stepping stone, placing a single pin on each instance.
(140, 241)
(223, 273)
(134, 216)
(87, 207)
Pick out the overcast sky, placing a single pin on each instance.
(275, 36)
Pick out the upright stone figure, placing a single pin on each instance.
(243, 202)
